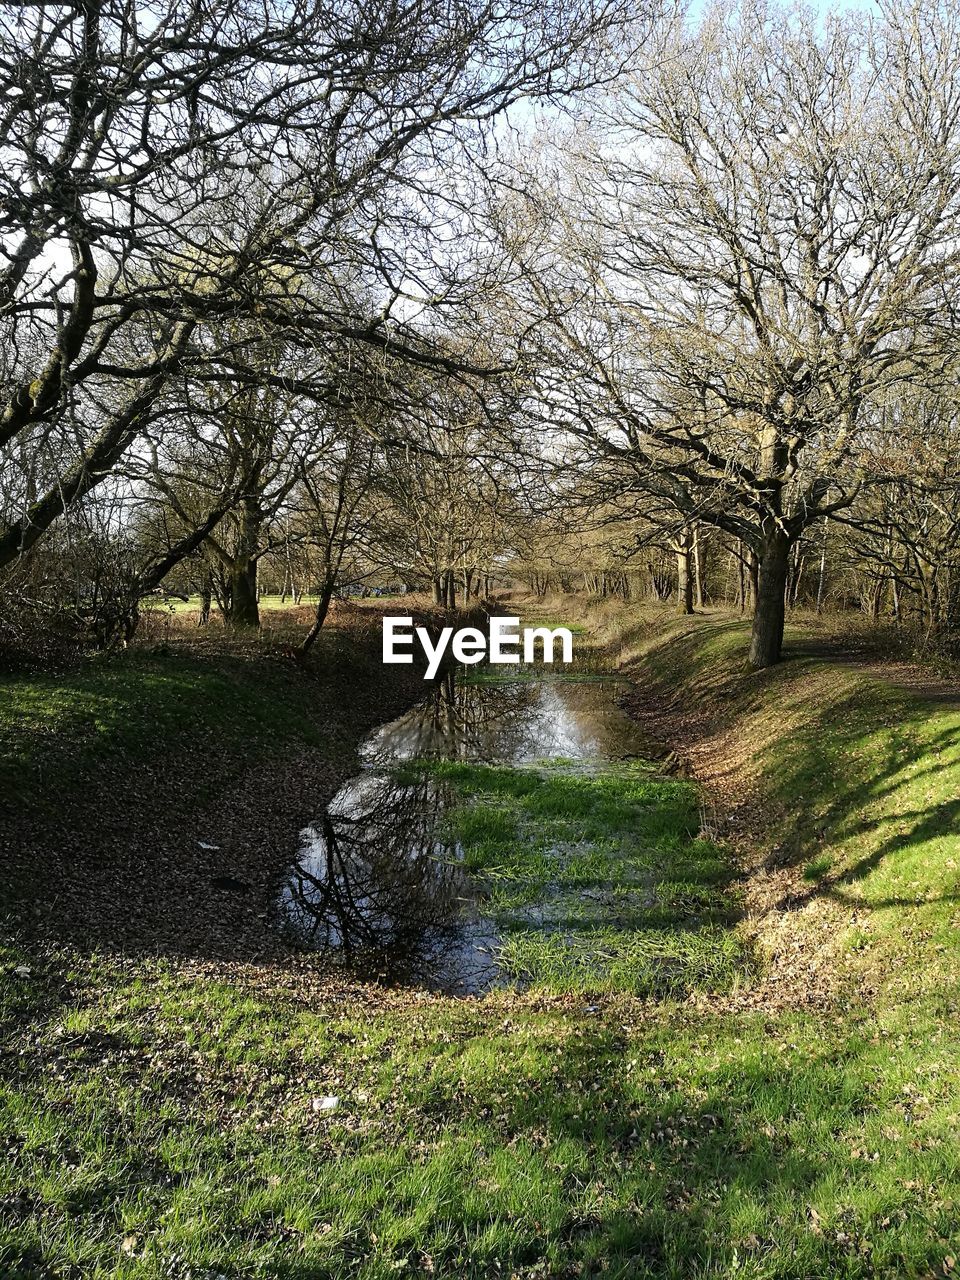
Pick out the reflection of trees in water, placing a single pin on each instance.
(375, 883)
(461, 721)
(480, 720)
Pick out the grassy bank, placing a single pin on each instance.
(160, 1114)
(133, 785)
(842, 779)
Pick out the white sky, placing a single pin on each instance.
(820, 7)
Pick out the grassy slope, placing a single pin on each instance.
(69, 727)
(202, 692)
(859, 781)
(166, 1128)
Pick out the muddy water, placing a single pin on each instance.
(376, 887)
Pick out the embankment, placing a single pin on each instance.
(837, 779)
(150, 798)
(170, 1116)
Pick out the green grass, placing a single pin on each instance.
(267, 603)
(158, 1123)
(862, 780)
(816, 868)
(59, 730)
(594, 876)
(170, 1131)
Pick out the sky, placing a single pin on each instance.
(821, 7)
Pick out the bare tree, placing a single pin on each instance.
(158, 169)
(757, 241)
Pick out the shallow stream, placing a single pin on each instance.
(499, 832)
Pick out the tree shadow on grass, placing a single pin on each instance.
(732, 1144)
(856, 783)
(678, 1145)
(697, 1165)
(868, 772)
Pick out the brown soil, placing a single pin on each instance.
(121, 868)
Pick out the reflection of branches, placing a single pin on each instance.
(507, 723)
(465, 722)
(375, 882)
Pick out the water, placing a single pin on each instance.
(376, 887)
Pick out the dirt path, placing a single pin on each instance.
(909, 677)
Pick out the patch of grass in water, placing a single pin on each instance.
(644, 961)
(595, 878)
(480, 828)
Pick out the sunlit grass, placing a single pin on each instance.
(594, 878)
(57, 729)
(473, 1139)
(157, 1125)
(863, 780)
(266, 603)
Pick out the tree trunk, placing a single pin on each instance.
(799, 565)
(244, 609)
(766, 636)
(660, 581)
(930, 599)
(951, 611)
(438, 590)
(753, 578)
(699, 592)
(685, 573)
(206, 599)
(876, 601)
(323, 606)
(823, 568)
